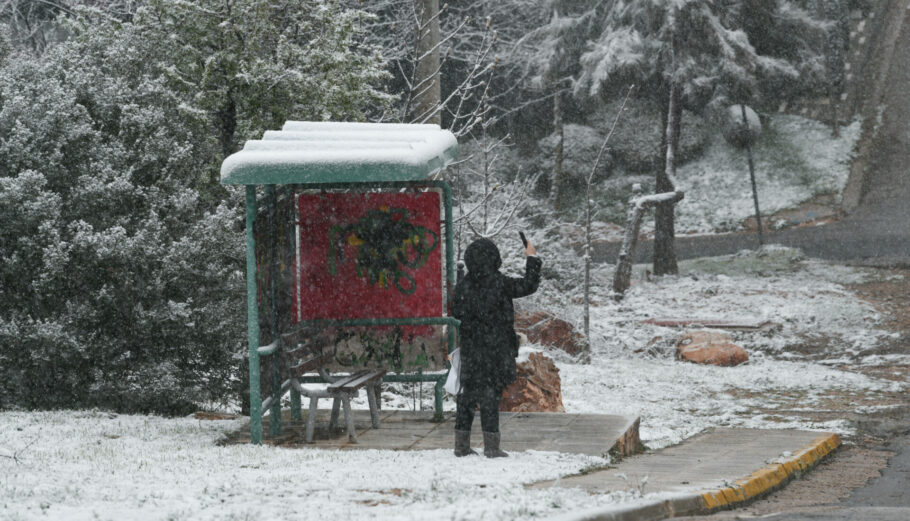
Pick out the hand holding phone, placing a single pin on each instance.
(530, 250)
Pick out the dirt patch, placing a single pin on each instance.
(890, 296)
(821, 209)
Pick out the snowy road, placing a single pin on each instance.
(870, 233)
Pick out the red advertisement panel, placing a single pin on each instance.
(369, 255)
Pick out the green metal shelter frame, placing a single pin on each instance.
(329, 155)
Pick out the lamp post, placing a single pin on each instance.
(747, 139)
(742, 130)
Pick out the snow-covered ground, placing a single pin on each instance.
(816, 326)
(96, 465)
(796, 159)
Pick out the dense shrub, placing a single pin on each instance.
(121, 259)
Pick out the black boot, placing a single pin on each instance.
(491, 445)
(463, 444)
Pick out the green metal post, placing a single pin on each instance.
(450, 240)
(252, 320)
(291, 217)
(450, 278)
(437, 389)
(275, 416)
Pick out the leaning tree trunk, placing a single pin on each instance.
(426, 77)
(664, 221)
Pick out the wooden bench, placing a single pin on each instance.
(296, 363)
(341, 389)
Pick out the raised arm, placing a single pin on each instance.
(517, 287)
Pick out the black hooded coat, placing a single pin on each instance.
(483, 304)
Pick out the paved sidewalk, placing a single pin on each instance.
(594, 434)
(721, 468)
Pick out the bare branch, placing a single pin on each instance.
(16, 456)
(610, 134)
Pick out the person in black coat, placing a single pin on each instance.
(488, 343)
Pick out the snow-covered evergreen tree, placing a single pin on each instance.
(690, 53)
(121, 281)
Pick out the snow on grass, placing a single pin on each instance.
(92, 465)
(677, 400)
(815, 323)
(816, 326)
(796, 159)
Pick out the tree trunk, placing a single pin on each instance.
(835, 122)
(227, 124)
(557, 179)
(664, 221)
(426, 78)
(837, 46)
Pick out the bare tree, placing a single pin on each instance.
(666, 198)
(589, 215)
(499, 202)
(664, 261)
(478, 56)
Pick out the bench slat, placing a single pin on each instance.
(311, 364)
(357, 380)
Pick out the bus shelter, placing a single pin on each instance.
(351, 255)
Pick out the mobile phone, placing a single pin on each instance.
(524, 240)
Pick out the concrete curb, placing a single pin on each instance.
(629, 443)
(741, 492)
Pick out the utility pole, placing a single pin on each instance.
(426, 80)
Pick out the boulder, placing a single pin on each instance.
(537, 388)
(710, 347)
(545, 329)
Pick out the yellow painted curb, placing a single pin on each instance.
(770, 477)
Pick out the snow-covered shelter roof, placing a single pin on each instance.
(306, 152)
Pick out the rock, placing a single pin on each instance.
(537, 388)
(545, 329)
(710, 347)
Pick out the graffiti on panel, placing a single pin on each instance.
(386, 243)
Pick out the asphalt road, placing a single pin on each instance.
(882, 499)
(849, 514)
(893, 488)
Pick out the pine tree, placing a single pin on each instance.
(692, 53)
